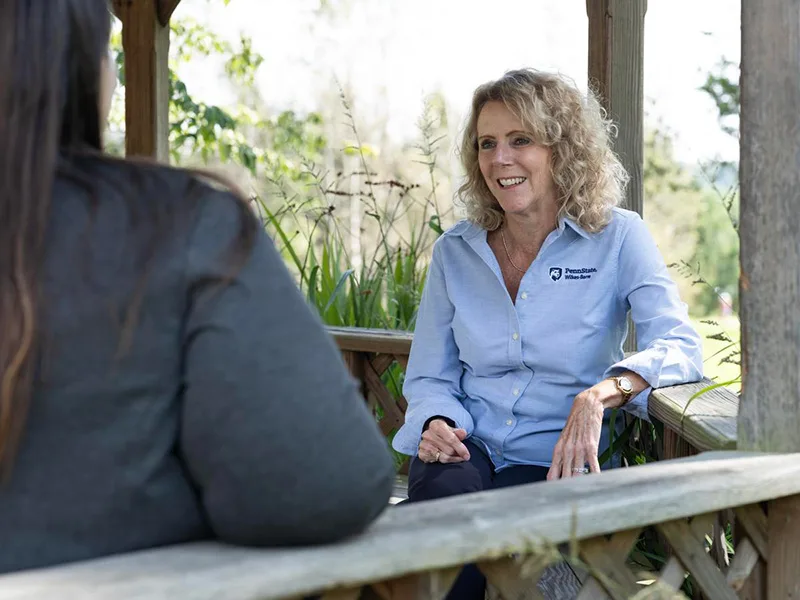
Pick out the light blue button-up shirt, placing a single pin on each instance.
(508, 372)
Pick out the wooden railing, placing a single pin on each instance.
(706, 423)
(690, 425)
(524, 539)
(514, 535)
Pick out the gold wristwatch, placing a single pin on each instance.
(625, 387)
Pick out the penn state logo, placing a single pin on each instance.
(555, 273)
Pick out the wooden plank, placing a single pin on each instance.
(692, 554)
(609, 558)
(399, 489)
(593, 590)
(431, 585)
(616, 58)
(513, 578)
(165, 10)
(744, 561)
(381, 362)
(783, 566)
(676, 446)
(146, 45)
(673, 574)
(600, 72)
(429, 535)
(372, 340)
(116, 8)
(402, 360)
(752, 520)
(355, 364)
(391, 412)
(769, 417)
(755, 588)
(708, 422)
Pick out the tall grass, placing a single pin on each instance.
(381, 286)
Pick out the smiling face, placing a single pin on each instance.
(516, 169)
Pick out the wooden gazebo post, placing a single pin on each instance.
(145, 38)
(769, 414)
(616, 74)
(616, 58)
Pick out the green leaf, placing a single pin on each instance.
(622, 439)
(434, 224)
(338, 289)
(707, 389)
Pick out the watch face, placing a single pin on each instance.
(625, 385)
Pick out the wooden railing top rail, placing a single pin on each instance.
(430, 535)
(359, 339)
(707, 422)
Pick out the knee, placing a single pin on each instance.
(436, 480)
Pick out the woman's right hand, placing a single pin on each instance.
(442, 443)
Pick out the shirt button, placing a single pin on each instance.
(515, 336)
(524, 295)
(515, 391)
(509, 422)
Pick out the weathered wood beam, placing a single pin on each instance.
(434, 536)
(769, 415)
(165, 10)
(616, 58)
(146, 45)
(116, 8)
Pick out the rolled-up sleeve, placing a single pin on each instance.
(433, 377)
(670, 350)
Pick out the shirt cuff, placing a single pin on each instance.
(638, 406)
(408, 436)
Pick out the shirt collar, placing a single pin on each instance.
(468, 230)
(567, 222)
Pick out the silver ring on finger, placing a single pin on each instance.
(580, 470)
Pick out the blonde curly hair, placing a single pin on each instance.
(588, 176)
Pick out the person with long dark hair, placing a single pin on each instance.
(161, 378)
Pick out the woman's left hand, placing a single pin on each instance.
(580, 439)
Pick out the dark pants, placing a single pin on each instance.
(427, 481)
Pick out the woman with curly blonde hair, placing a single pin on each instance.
(517, 359)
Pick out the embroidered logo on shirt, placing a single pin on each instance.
(555, 273)
(584, 273)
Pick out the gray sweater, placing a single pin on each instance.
(228, 413)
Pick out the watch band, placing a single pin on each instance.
(626, 390)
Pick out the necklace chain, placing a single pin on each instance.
(508, 254)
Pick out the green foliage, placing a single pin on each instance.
(197, 130)
(384, 291)
(722, 85)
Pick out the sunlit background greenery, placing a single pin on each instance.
(356, 221)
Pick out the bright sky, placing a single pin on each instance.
(393, 53)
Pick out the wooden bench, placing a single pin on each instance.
(707, 422)
(424, 545)
(512, 534)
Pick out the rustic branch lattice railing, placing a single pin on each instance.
(512, 534)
